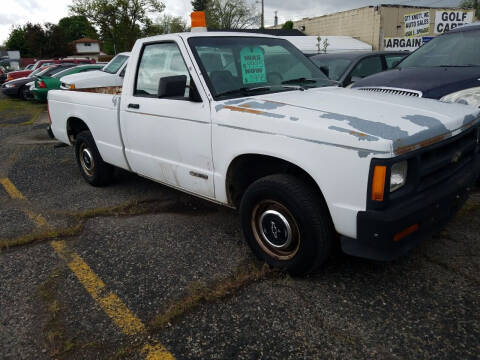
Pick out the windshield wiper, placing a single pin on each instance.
(244, 90)
(300, 80)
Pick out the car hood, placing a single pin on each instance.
(19, 73)
(94, 78)
(368, 122)
(433, 82)
(21, 81)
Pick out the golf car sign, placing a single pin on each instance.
(448, 20)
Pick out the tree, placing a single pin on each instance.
(17, 41)
(470, 4)
(288, 25)
(200, 5)
(120, 22)
(166, 24)
(231, 14)
(56, 44)
(77, 27)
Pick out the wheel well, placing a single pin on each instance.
(74, 127)
(246, 169)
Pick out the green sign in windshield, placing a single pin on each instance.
(252, 61)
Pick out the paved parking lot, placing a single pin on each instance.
(137, 270)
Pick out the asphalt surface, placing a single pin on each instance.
(155, 248)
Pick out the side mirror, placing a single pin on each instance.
(172, 86)
(325, 70)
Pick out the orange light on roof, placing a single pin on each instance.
(406, 232)
(378, 182)
(198, 19)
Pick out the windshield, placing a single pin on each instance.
(235, 66)
(456, 49)
(115, 64)
(336, 66)
(38, 71)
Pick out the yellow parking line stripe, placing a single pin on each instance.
(156, 352)
(11, 189)
(111, 304)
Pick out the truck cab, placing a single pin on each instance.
(306, 163)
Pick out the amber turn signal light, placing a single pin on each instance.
(378, 182)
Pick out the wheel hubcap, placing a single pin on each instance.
(86, 160)
(275, 229)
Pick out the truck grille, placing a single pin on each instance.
(392, 91)
(441, 162)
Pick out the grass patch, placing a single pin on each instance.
(19, 112)
(80, 218)
(199, 293)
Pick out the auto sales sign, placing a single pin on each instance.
(448, 20)
(417, 24)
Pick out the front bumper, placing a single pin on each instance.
(430, 211)
(12, 91)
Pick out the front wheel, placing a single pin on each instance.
(287, 223)
(24, 93)
(94, 170)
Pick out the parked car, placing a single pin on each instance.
(23, 73)
(43, 84)
(303, 160)
(29, 67)
(110, 75)
(349, 67)
(446, 68)
(21, 87)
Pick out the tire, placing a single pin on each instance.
(94, 170)
(23, 93)
(273, 201)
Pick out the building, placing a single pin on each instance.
(387, 26)
(86, 47)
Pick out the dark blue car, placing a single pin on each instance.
(446, 68)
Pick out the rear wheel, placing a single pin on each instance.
(94, 170)
(287, 223)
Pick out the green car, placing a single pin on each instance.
(45, 83)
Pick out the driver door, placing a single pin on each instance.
(167, 139)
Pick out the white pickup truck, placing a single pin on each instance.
(249, 122)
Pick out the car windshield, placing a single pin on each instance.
(336, 65)
(455, 49)
(239, 66)
(72, 70)
(115, 64)
(39, 71)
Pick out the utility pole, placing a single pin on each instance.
(263, 14)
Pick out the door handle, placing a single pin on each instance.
(133, 106)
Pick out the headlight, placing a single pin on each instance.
(398, 176)
(10, 85)
(468, 97)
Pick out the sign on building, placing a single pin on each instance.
(402, 43)
(417, 23)
(448, 20)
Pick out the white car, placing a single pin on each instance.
(246, 120)
(111, 74)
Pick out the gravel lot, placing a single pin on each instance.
(181, 266)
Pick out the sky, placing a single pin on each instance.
(19, 12)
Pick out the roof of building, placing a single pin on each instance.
(86, 40)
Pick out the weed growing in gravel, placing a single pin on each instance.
(199, 293)
(19, 109)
